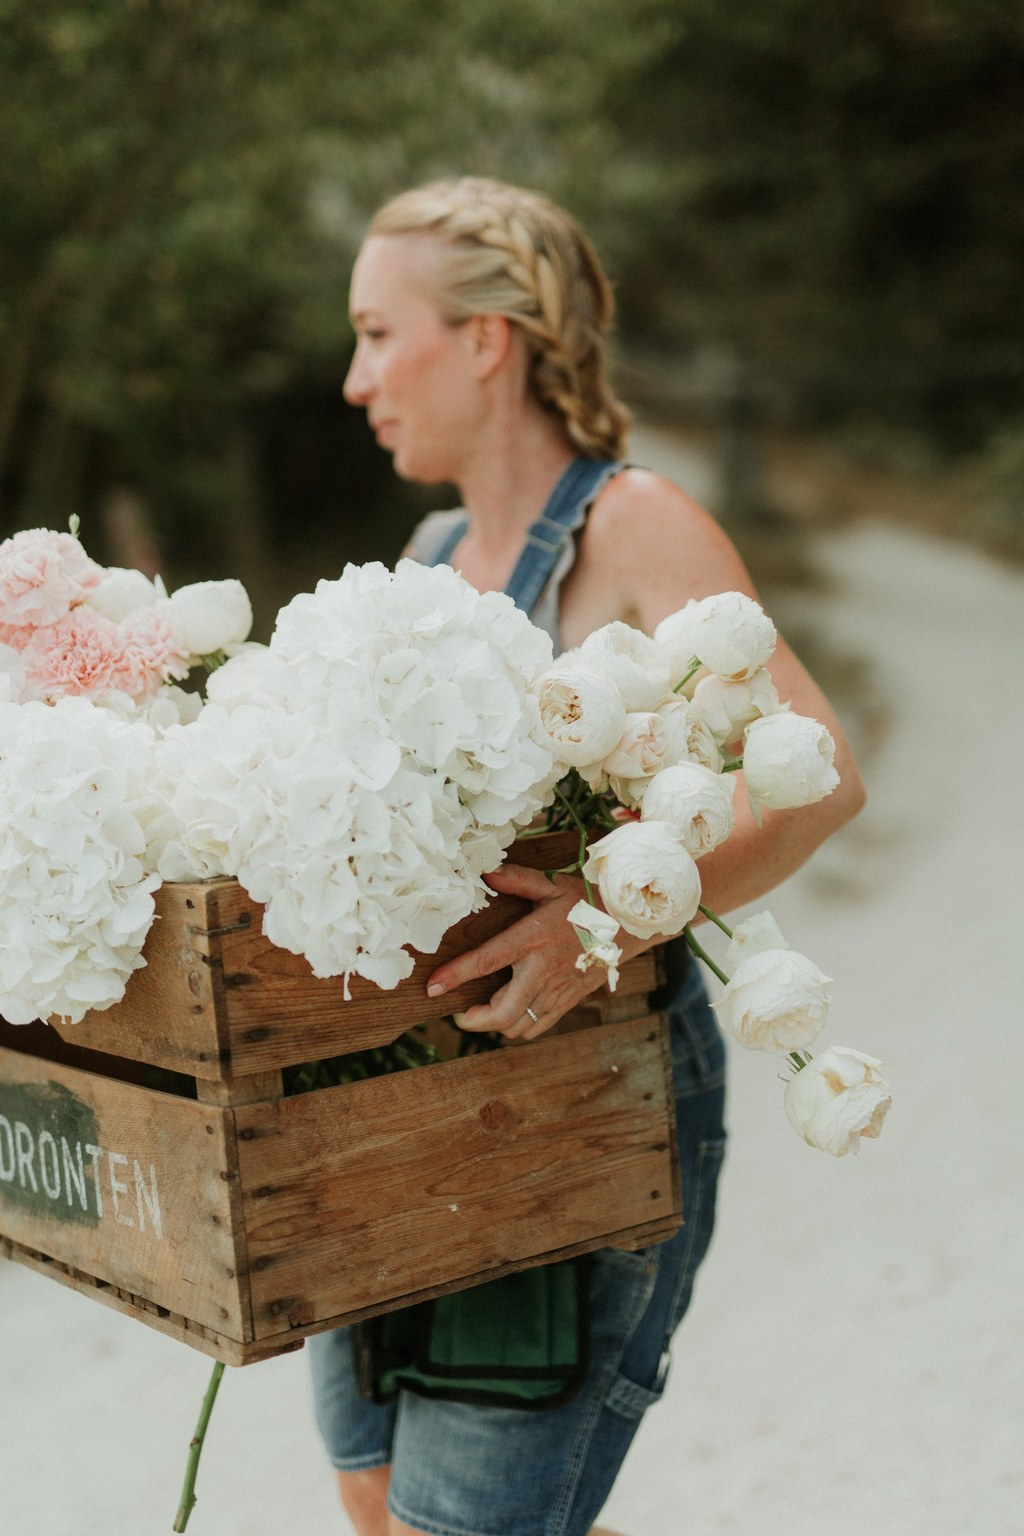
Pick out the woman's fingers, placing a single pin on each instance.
(541, 949)
(507, 1015)
(503, 1014)
(512, 943)
(491, 956)
(517, 880)
(541, 989)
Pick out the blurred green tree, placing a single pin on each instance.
(840, 199)
(829, 194)
(182, 189)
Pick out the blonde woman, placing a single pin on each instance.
(481, 314)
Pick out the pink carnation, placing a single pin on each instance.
(80, 654)
(15, 635)
(151, 654)
(42, 575)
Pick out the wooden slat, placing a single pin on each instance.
(218, 1001)
(133, 1187)
(280, 1013)
(397, 1186)
(172, 1011)
(217, 1345)
(630, 1238)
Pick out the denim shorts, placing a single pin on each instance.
(465, 1470)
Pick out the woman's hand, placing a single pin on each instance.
(541, 948)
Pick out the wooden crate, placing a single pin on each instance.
(241, 1220)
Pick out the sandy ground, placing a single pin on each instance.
(849, 1360)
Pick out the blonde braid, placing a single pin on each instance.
(512, 252)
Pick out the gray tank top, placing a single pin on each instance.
(437, 538)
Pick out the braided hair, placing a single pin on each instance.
(511, 252)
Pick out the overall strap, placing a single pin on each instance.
(578, 484)
(453, 538)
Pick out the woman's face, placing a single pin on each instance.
(412, 371)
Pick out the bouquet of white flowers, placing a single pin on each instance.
(363, 773)
(651, 732)
(89, 660)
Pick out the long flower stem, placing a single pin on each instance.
(188, 1492)
(698, 949)
(583, 843)
(713, 917)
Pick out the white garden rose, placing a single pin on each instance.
(753, 936)
(122, 592)
(590, 920)
(647, 880)
(208, 615)
(688, 738)
(730, 634)
(631, 661)
(697, 802)
(727, 708)
(675, 637)
(596, 931)
(777, 1000)
(581, 711)
(838, 1099)
(640, 750)
(788, 761)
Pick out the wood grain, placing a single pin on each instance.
(155, 1210)
(357, 1195)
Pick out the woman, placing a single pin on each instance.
(481, 314)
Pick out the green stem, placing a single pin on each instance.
(583, 844)
(695, 666)
(713, 917)
(734, 766)
(188, 1492)
(698, 949)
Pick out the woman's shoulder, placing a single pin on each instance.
(661, 545)
(648, 509)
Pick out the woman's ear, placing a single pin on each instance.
(490, 338)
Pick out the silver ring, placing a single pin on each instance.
(532, 1015)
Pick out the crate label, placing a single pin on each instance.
(52, 1163)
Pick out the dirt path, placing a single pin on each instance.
(848, 1364)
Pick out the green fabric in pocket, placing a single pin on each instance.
(521, 1341)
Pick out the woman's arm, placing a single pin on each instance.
(648, 549)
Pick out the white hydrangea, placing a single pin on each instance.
(362, 774)
(76, 897)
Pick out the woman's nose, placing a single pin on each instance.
(358, 385)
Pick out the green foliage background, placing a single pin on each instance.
(826, 196)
